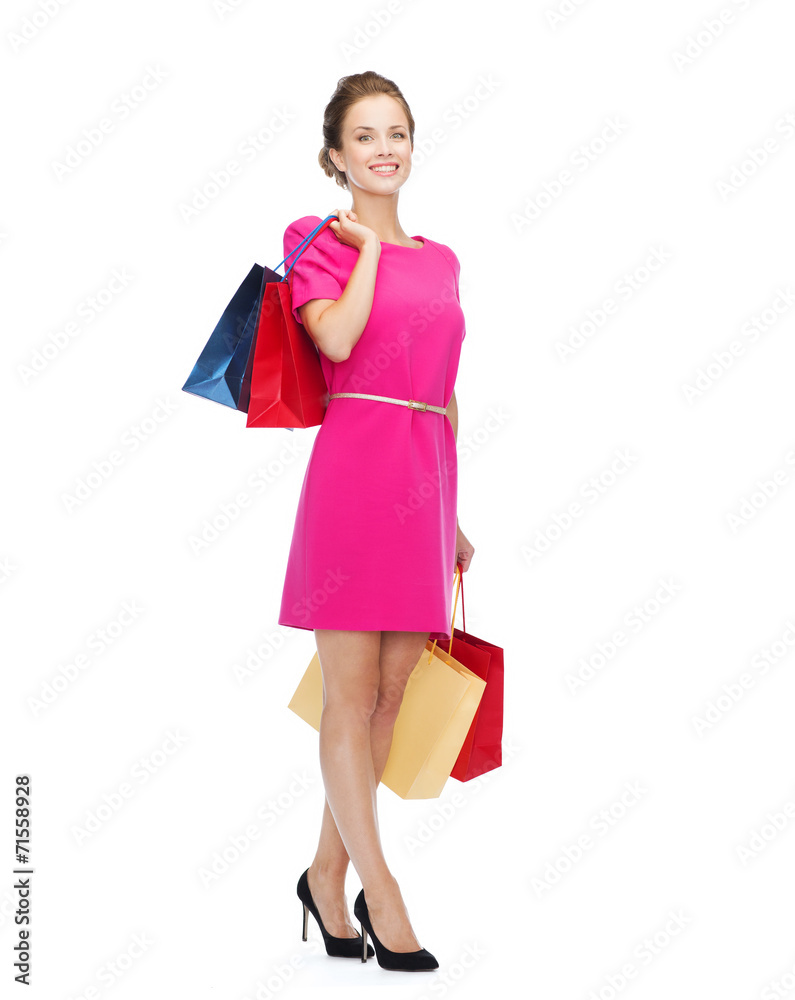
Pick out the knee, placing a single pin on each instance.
(388, 702)
(351, 707)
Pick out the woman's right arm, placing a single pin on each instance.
(335, 325)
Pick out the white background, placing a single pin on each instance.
(504, 96)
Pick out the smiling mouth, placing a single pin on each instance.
(386, 170)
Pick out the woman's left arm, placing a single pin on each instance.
(452, 413)
(464, 549)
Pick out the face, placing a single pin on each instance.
(375, 132)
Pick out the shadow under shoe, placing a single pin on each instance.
(337, 947)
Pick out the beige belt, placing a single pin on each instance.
(413, 404)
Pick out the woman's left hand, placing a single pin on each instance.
(464, 549)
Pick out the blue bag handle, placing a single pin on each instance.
(304, 244)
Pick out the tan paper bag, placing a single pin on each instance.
(439, 704)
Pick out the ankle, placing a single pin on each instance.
(383, 886)
(331, 872)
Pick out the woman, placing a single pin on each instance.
(375, 544)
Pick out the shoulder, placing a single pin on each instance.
(297, 230)
(442, 250)
(303, 225)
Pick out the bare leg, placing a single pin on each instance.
(347, 667)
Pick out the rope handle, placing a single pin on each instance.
(304, 244)
(459, 585)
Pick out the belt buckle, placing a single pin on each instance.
(415, 404)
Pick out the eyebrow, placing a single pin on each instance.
(371, 128)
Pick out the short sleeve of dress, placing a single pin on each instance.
(316, 271)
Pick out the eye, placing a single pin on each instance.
(364, 135)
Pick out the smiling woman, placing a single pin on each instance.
(378, 503)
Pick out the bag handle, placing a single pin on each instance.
(463, 613)
(304, 244)
(459, 584)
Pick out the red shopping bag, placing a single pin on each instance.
(288, 388)
(482, 748)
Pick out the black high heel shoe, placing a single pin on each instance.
(402, 961)
(338, 947)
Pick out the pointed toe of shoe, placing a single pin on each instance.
(395, 961)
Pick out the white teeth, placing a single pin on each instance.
(384, 170)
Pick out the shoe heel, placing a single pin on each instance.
(364, 942)
(408, 961)
(338, 947)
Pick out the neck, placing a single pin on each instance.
(379, 213)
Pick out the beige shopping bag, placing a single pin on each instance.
(439, 704)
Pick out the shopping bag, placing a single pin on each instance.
(290, 389)
(439, 703)
(482, 749)
(220, 371)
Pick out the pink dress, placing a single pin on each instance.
(374, 541)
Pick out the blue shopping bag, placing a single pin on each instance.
(223, 369)
(220, 371)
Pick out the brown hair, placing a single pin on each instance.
(351, 89)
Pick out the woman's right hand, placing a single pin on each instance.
(350, 232)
